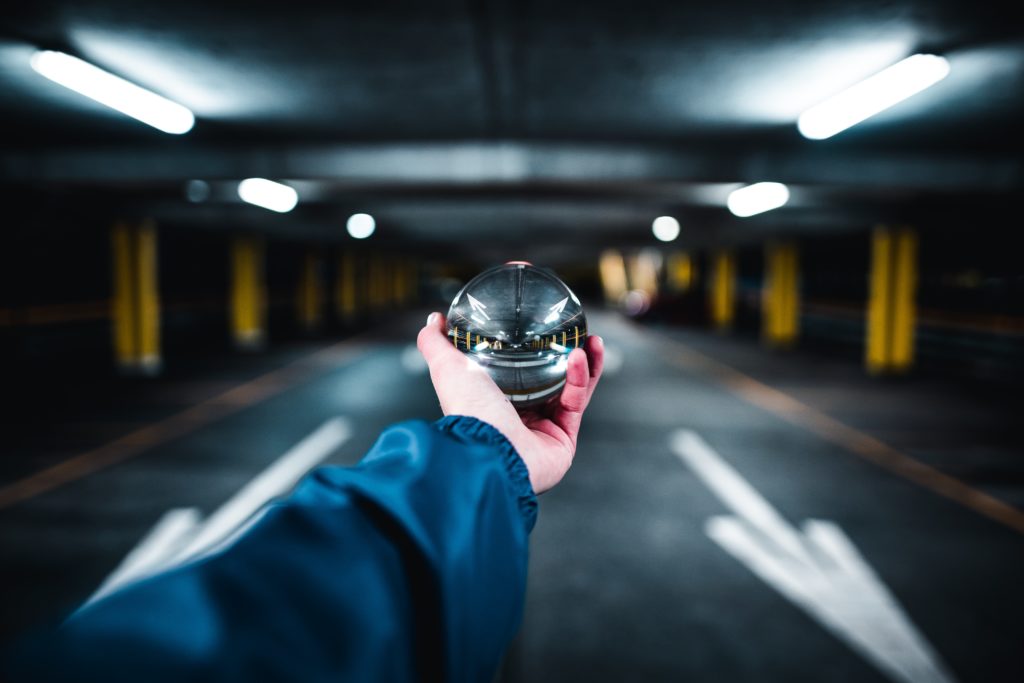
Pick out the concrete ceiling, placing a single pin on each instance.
(489, 122)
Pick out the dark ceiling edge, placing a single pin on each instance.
(513, 162)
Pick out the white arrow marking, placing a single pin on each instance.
(818, 569)
(556, 310)
(180, 536)
(167, 535)
(477, 306)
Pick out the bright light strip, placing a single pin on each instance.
(361, 225)
(757, 198)
(665, 228)
(268, 194)
(873, 95)
(115, 92)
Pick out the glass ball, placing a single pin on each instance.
(519, 323)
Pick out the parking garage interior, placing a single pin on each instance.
(848, 359)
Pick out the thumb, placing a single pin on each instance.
(434, 344)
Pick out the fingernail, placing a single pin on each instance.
(431, 318)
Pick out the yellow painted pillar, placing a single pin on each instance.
(370, 276)
(613, 276)
(384, 275)
(310, 295)
(345, 287)
(680, 272)
(643, 272)
(412, 283)
(399, 288)
(248, 293)
(123, 301)
(136, 298)
(891, 313)
(723, 288)
(780, 309)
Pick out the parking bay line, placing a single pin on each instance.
(853, 440)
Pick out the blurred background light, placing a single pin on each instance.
(665, 228)
(361, 225)
(113, 91)
(197, 191)
(872, 95)
(757, 198)
(268, 194)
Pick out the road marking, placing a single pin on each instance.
(613, 360)
(181, 536)
(412, 360)
(816, 568)
(864, 445)
(175, 426)
(167, 535)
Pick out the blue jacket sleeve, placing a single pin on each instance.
(409, 566)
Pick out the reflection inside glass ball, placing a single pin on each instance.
(519, 323)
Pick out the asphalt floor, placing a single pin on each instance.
(923, 477)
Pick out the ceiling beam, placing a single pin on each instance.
(474, 163)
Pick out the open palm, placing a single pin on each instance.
(544, 438)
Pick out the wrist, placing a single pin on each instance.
(519, 476)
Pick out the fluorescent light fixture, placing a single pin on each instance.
(757, 198)
(113, 91)
(873, 95)
(665, 228)
(361, 225)
(268, 194)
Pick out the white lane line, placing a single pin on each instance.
(180, 535)
(613, 360)
(276, 480)
(818, 569)
(169, 533)
(412, 360)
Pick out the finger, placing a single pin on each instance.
(433, 342)
(575, 395)
(442, 358)
(595, 358)
(461, 385)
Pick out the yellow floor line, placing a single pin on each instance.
(179, 424)
(872, 449)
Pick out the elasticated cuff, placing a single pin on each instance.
(479, 431)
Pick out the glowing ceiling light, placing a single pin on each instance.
(361, 225)
(665, 228)
(113, 91)
(873, 95)
(268, 194)
(757, 198)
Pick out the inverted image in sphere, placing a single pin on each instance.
(519, 323)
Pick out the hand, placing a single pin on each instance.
(544, 438)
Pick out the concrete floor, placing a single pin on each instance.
(625, 581)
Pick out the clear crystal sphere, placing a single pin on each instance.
(519, 323)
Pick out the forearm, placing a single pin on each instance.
(411, 565)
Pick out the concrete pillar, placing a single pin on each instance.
(248, 293)
(136, 298)
(722, 292)
(310, 294)
(780, 310)
(346, 299)
(891, 312)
